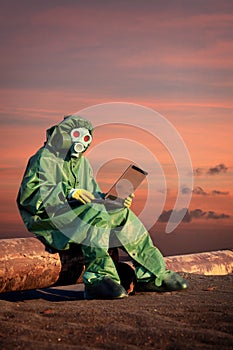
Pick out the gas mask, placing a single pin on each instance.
(81, 139)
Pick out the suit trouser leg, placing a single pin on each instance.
(98, 264)
(136, 241)
(124, 227)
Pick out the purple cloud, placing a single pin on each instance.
(220, 168)
(221, 193)
(198, 171)
(213, 215)
(199, 191)
(192, 214)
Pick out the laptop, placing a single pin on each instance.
(125, 185)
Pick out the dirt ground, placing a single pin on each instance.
(59, 318)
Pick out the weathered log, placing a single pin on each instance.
(25, 263)
(208, 263)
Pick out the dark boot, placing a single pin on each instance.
(171, 281)
(105, 288)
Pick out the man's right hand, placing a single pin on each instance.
(82, 196)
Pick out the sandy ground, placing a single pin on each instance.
(59, 318)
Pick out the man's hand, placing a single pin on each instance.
(82, 196)
(128, 201)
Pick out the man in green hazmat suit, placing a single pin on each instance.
(57, 203)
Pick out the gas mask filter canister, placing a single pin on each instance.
(81, 139)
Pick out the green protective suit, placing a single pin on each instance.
(47, 211)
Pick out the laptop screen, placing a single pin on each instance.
(127, 183)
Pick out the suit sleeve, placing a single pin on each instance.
(43, 189)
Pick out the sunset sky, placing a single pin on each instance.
(174, 57)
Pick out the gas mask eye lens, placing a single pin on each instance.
(86, 138)
(76, 133)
